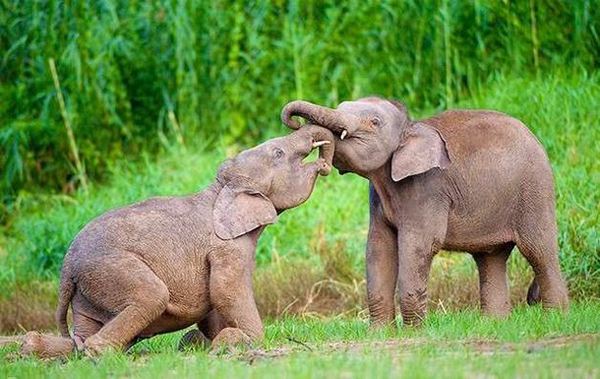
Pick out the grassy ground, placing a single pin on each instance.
(531, 343)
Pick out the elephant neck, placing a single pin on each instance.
(211, 192)
(383, 184)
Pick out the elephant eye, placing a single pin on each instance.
(376, 121)
(278, 153)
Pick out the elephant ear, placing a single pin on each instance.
(238, 211)
(424, 148)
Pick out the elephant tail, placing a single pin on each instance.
(66, 292)
(533, 294)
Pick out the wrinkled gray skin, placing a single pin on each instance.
(167, 263)
(465, 180)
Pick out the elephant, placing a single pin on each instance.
(474, 181)
(168, 263)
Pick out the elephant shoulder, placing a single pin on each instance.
(470, 131)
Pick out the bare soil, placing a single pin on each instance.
(476, 346)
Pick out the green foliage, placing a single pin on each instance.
(138, 75)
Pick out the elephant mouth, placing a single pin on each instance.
(324, 166)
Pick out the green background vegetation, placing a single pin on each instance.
(159, 93)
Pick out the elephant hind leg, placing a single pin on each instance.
(537, 241)
(533, 293)
(84, 327)
(208, 328)
(144, 299)
(493, 289)
(46, 346)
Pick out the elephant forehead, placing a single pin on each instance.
(362, 107)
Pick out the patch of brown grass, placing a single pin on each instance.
(454, 282)
(30, 306)
(334, 286)
(298, 287)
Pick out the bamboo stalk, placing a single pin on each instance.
(176, 127)
(534, 37)
(63, 110)
(447, 52)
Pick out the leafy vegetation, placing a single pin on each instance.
(142, 76)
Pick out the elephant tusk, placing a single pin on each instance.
(343, 135)
(320, 143)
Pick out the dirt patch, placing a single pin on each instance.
(477, 346)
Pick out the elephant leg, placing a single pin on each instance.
(420, 236)
(232, 297)
(537, 241)
(493, 288)
(382, 271)
(212, 324)
(84, 327)
(208, 328)
(46, 346)
(193, 339)
(146, 299)
(548, 278)
(415, 254)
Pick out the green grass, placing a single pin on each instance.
(463, 344)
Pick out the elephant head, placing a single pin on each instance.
(371, 131)
(261, 182)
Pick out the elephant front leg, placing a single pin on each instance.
(382, 272)
(415, 254)
(232, 297)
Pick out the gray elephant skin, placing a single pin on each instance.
(475, 181)
(167, 263)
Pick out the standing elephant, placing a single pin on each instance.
(167, 263)
(465, 180)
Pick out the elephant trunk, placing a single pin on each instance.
(321, 134)
(314, 114)
(321, 138)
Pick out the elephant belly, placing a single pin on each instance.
(176, 318)
(476, 234)
(184, 309)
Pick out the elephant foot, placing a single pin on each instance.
(46, 346)
(413, 306)
(192, 340)
(94, 346)
(230, 337)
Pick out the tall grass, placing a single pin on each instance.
(141, 76)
